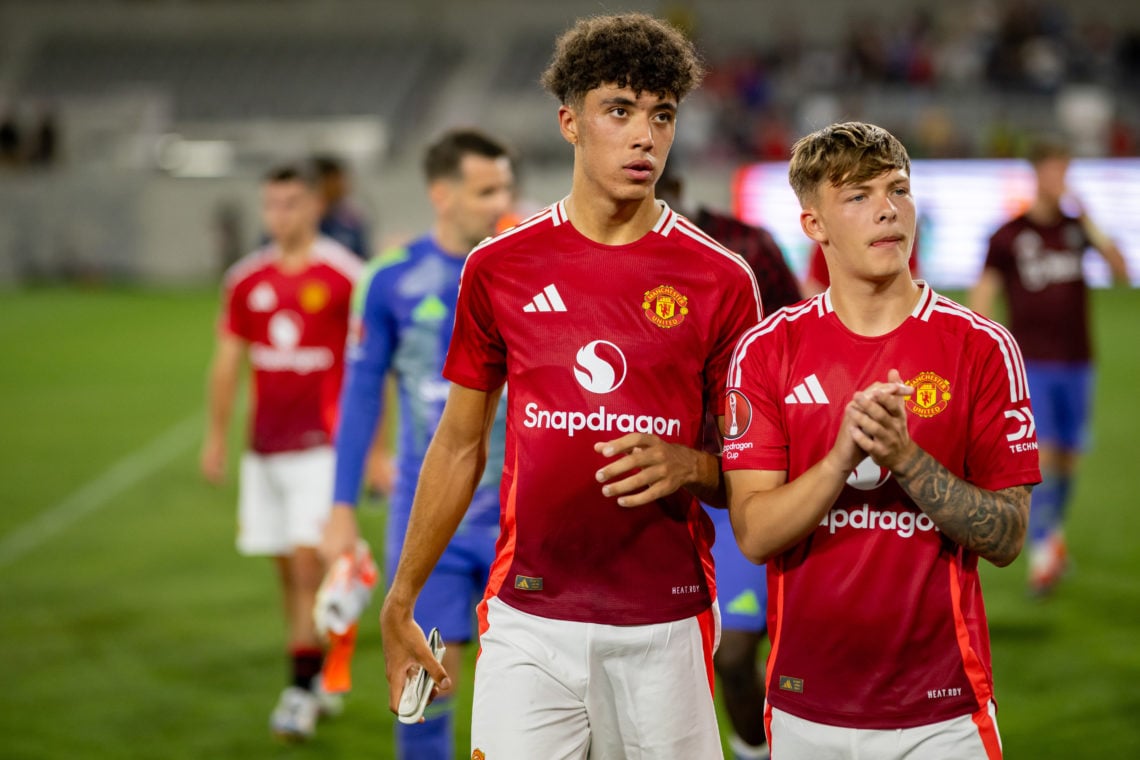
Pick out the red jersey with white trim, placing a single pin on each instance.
(876, 618)
(596, 341)
(296, 325)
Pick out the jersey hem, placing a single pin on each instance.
(669, 617)
(949, 711)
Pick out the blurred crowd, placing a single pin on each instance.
(940, 63)
(27, 139)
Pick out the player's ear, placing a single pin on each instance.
(439, 193)
(568, 124)
(812, 225)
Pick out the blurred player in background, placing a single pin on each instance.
(741, 586)
(612, 320)
(340, 219)
(1036, 261)
(867, 458)
(403, 313)
(286, 309)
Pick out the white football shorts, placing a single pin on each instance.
(565, 690)
(284, 500)
(969, 737)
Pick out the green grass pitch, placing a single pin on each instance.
(130, 628)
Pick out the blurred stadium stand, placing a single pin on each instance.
(167, 111)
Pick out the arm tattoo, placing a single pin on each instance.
(991, 524)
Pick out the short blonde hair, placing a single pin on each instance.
(842, 154)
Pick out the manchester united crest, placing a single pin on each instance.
(931, 394)
(313, 296)
(665, 306)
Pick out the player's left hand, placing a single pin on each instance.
(653, 468)
(879, 414)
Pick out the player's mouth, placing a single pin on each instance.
(639, 171)
(886, 241)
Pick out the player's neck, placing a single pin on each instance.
(293, 254)
(450, 241)
(872, 308)
(609, 221)
(1044, 211)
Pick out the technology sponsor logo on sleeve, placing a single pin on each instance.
(599, 367)
(1022, 427)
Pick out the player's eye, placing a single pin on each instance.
(664, 117)
(619, 111)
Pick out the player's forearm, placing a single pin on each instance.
(768, 523)
(446, 484)
(221, 391)
(982, 296)
(361, 404)
(707, 482)
(991, 524)
(1116, 264)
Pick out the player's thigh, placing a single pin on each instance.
(969, 737)
(306, 478)
(1047, 397)
(793, 738)
(963, 738)
(650, 693)
(447, 602)
(530, 680)
(1074, 402)
(261, 509)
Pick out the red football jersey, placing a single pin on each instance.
(595, 341)
(876, 619)
(1042, 268)
(296, 325)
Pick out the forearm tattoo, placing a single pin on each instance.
(991, 524)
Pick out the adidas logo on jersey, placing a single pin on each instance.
(548, 300)
(807, 392)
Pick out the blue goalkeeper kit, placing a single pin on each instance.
(403, 312)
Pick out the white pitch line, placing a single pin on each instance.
(95, 494)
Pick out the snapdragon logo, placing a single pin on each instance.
(599, 420)
(867, 476)
(903, 523)
(284, 352)
(599, 366)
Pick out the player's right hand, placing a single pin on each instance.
(212, 460)
(380, 472)
(340, 535)
(405, 648)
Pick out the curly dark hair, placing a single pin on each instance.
(846, 153)
(630, 50)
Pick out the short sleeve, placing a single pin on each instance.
(999, 255)
(755, 437)
(234, 318)
(476, 356)
(1002, 448)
